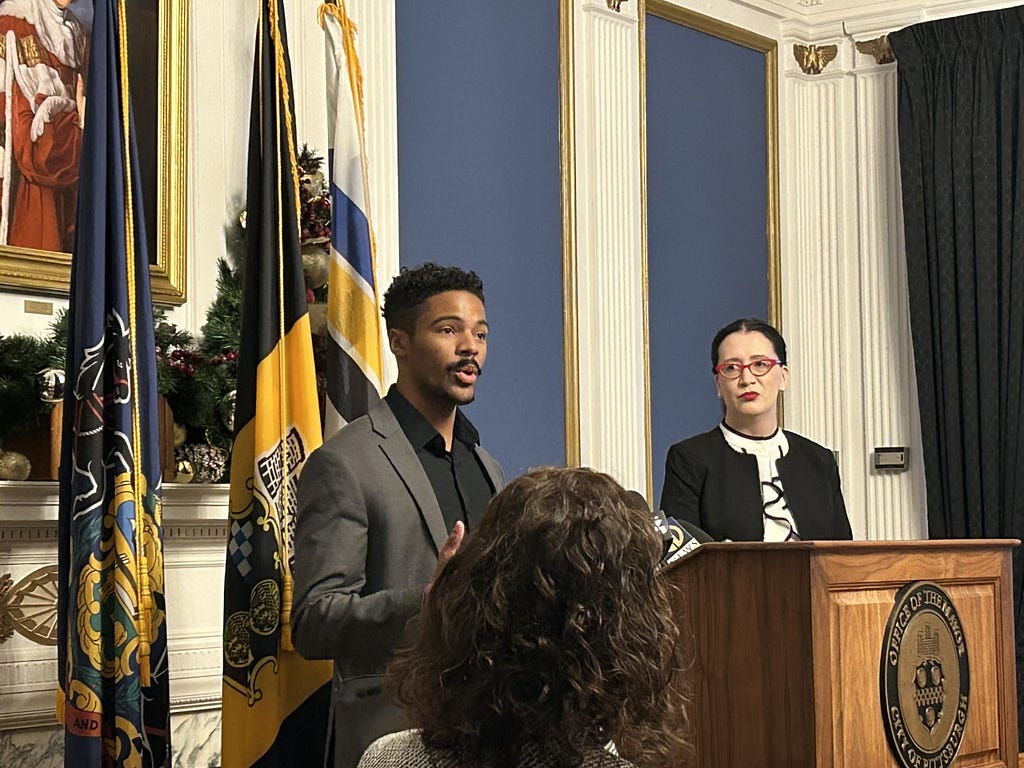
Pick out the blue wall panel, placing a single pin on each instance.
(707, 214)
(478, 155)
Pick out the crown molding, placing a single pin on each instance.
(810, 21)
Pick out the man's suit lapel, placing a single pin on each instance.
(491, 467)
(407, 466)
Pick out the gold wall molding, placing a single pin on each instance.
(567, 152)
(879, 48)
(814, 58)
(769, 48)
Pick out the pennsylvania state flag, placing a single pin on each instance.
(275, 703)
(112, 635)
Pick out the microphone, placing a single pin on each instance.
(686, 539)
(702, 536)
(680, 538)
(681, 543)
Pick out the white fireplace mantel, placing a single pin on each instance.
(195, 536)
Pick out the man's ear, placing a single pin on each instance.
(398, 340)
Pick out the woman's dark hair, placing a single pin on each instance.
(550, 628)
(746, 325)
(414, 286)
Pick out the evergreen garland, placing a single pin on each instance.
(21, 359)
(201, 377)
(197, 376)
(222, 331)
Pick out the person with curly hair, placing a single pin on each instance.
(387, 499)
(547, 638)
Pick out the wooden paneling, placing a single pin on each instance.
(751, 659)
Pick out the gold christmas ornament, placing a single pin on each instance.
(183, 471)
(14, 466)
(316, 263)
(180, 433)
(227, 409)
(313, 184)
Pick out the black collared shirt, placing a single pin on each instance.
(459, 480)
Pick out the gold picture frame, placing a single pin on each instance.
(49, 272)
(668, 10)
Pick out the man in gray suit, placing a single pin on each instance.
(386, 501)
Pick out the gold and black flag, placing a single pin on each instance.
(274, 702)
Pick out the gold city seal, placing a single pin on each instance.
(925, 677)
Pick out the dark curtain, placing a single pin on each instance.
(961, 123)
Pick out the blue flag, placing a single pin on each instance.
(112, 635)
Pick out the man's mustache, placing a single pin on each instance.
(466, 362)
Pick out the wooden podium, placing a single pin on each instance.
(787, 643)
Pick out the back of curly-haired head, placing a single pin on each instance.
(549, 627)
(414, 286)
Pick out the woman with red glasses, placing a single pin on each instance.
(747, 479)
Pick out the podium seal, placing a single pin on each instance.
(925, 677)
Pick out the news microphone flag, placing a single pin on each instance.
(681, 541)
(274, 702)
(112, 675)
(354, 353)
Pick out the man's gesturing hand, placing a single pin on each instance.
(451, 546)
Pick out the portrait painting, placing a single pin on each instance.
(42, 90)
(44, 87)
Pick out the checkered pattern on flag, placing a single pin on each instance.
(113, 697)
(275, 703)
(354, 357)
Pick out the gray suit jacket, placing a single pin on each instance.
(366, 541)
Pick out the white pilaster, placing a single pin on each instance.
(612, 390)
(894, 503)
(845, 285)
(819, 282)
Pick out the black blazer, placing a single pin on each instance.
(713, 486)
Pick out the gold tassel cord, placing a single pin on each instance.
(281, 103)
(144, 607)
(327, 9)
(285, 97)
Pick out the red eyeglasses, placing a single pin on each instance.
(759, 367)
